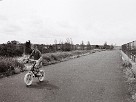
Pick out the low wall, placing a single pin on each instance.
(126, 58)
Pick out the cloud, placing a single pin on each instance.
(44, 21)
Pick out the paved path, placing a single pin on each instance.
(93, 78)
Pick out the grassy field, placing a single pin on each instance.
(9, 65)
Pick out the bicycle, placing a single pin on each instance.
(33, 73)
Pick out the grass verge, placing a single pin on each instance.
(9, 66)
(51, 58)
(130, 80)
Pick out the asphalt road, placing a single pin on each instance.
(93, 78)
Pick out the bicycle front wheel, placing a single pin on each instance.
(28, 79)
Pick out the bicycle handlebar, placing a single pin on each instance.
(29, 60)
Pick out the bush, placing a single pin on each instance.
(54, 57)
(127, 64)
(10, 50)
(47, 58)
(9, 64)
(59, 56)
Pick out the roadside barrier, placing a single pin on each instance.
(130, 50)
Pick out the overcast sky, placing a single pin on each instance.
(43, 21)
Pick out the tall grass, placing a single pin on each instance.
(60, 56)
(8, 64)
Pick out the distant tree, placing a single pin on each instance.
(51, 48)
(106, 46)
(88, 46)
(82, 45)
(56, 48)
(14, 42)
(97, 46)
(66, 46)
(111, 47)
(8, 42)
(72, 45)
(62, 45)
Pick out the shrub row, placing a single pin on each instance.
(8, 65)
(10, 50)
(60, 56)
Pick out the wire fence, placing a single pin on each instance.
(130, 50)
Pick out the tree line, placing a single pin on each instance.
(14, 48)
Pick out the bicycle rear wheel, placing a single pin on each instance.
(42, 75)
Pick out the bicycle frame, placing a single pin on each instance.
(34, 69)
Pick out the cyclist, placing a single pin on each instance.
(37, 56)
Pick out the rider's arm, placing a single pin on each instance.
(40, 54)
(32, 54)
